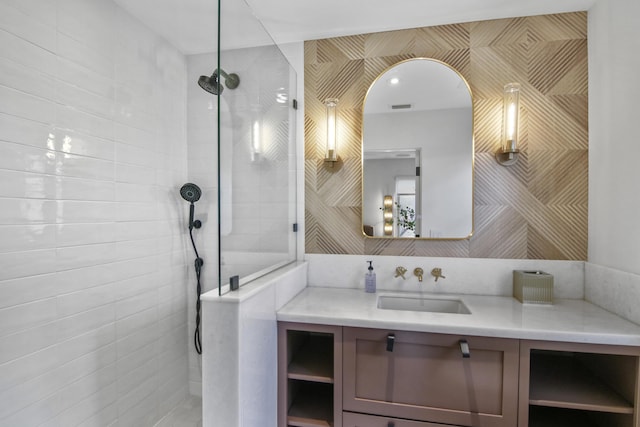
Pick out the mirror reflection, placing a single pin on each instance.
(417, 153)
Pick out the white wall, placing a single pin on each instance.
(614, 144)
(202, 127)
(294, 52)
(92, 256)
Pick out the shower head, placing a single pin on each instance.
(190, 192)
(212, 85)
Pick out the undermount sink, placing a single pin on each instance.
(418, 303)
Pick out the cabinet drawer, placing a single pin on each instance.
(350, 419)
(426, 378)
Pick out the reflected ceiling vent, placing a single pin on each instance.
(401, 106)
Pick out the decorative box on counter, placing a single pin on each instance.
(535, 287)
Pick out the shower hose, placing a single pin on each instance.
(199, 262)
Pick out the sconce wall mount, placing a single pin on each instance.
(508, 153)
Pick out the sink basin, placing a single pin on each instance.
(417, 303)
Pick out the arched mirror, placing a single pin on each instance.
(417, 153)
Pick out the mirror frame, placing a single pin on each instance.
(473, 155)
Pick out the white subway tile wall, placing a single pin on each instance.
(93, 150)
(202, 128)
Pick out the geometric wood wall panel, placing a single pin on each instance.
(536, 209)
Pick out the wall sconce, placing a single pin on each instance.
(331, 155)
(387, 215)
(256, 141)
(508, 154)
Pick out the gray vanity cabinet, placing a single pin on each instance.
(334, 376)
(434, 378)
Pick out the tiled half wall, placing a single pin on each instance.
(536, 209)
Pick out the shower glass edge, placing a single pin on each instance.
(256, 150)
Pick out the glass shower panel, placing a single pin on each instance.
(257, 170)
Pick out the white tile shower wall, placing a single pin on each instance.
(613, 290)
(462, 275)
(202, 166)
(92, 250)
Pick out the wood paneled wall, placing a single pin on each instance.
(535, 209)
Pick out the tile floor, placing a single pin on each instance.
(186, 414)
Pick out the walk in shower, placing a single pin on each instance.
(102, 122)
(241, 137)
(257, 168)
(242, 154)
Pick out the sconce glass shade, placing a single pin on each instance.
(388, 229)
(387, 215)
(331, 154)
(256, 141)
(508, 153)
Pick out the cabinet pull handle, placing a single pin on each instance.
(464, 348)
(391, 339)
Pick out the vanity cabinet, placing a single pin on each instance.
(437, 378)
(309, 375)
(568, 384)
(332, 376)
(351, 419)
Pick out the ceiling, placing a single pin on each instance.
(191, 25)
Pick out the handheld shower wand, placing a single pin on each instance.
(191, 193)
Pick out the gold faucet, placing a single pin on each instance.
(400, 272)
(437, 273)
(418, 272)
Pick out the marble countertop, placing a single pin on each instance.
(567, 320)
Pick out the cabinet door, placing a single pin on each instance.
(425, 377)
(350, 419)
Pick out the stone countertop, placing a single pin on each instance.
(566, 320)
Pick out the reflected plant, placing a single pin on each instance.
(406, 217)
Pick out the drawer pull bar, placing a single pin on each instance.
(464, 348)
(391, 339)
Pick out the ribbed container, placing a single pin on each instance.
(535, 287)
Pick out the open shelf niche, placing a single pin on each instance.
(312, 390)
(575, 384)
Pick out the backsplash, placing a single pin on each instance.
(614, 290)
(461, 276)
(536, 209)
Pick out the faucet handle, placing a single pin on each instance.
(418, 272)
(400, 272)
(437, 273)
